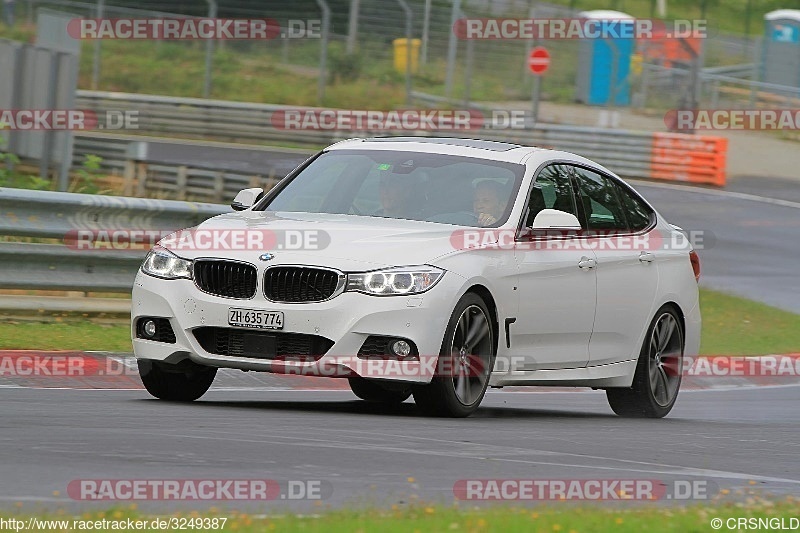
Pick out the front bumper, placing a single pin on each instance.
(347, 320)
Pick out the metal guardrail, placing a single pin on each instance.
(57, 216)
(201, 118)
(182, 170)
(726, 86)
(214, 172)
(742, 70)
(628, 153)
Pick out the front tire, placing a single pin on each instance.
(373, 392)
(465, 362)
(184, 382)
(658, 372)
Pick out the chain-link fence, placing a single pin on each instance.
(346, 53)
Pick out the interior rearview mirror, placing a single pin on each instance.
(246, 198)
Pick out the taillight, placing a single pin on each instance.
(695, 259)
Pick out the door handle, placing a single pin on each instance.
(646, 257)
(587, 263)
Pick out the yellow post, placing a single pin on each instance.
(400, 55)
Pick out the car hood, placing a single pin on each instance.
(345, 242)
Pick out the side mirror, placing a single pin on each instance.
(555, 219)
(246, 198)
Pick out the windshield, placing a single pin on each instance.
(403, 185)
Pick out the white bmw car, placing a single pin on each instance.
(431, 267)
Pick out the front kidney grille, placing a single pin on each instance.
(225, 278)
(300, 284)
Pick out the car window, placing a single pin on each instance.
(601, 201)
(404, 185)
(551, 190)
(323, 174)
(638, 213)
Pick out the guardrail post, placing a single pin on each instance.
(128, 177)
(47, 135)
(219, 187)
(180, 182)
(141, 179)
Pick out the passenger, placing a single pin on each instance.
(487, 204)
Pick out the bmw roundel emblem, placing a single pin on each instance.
(266, 257)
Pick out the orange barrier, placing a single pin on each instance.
(668, 51)
(690, 158)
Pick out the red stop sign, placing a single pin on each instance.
(539, 60)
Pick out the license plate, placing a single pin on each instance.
(253, 318)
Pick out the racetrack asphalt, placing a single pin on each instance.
(739, 440)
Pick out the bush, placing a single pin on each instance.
(344, 67)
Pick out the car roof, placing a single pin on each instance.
(495, 150)
(478, 148)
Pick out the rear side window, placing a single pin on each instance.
(601, 201)
(609, 205)
(639, 215)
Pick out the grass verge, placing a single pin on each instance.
(737, 326)
(79, 334)
(420, 517)
(731, 326)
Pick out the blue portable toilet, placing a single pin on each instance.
(604, 63)
(780, 62)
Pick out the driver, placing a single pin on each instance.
(486, 204)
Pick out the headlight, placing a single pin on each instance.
(394, 281)
(162, 263)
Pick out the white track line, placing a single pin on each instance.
(713, 192)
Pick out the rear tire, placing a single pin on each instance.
(371, 391)
(657, 380)
(185, 382)
(465, 362)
